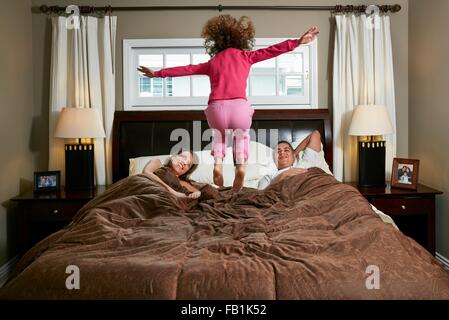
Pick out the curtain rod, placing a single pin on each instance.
(107, 9)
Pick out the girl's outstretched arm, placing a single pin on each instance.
(309, 36)
(280, 48)
(271, 51)
(146, 71)
(202, 68)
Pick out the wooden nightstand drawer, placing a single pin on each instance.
(413, 211)
(51, 211)
(403, 206)
(41, 214)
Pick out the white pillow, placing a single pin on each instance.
(251, 183)
(322, 162)
(260, 163)
(136, 165)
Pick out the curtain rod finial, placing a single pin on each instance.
(44, 8)
(396, 8)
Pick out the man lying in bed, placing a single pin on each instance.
(285, 158)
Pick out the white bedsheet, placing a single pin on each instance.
(385, 218)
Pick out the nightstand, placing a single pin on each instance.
(41, 214)
(412, 211)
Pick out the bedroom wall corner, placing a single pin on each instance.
(429, 112)
(16, 115)
(399, 38)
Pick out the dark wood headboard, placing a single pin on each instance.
(144, 133)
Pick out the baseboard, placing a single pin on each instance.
(7, 268)
(443, 260)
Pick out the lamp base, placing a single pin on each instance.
(79, 167)
(371, 164)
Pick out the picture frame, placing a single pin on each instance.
(47, 181)
(404, 173)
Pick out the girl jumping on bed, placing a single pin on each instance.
(229, 42)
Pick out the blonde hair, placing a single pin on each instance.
(195, 161)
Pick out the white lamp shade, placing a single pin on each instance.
(79, 123)
(370, 120)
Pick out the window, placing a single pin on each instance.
(287, 81)
(152, 87)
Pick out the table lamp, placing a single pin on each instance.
(83, 124)
(370, 122)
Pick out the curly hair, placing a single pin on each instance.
(224, 31)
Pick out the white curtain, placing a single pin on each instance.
(363, 74)
(83, 75)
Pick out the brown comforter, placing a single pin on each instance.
(307, 237)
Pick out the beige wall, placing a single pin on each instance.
(16, 111)
(429, 110)
(167, 24)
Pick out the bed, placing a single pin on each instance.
(305, 237)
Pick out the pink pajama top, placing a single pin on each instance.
(229, 69)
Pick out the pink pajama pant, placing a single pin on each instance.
(235, 115)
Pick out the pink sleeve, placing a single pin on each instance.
(202, 68)
(271, 51)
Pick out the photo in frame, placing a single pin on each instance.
(45, 181)
(404, 173)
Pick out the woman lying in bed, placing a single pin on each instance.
(174, 173)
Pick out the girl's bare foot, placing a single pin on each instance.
(239, 177)
(218, 174)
